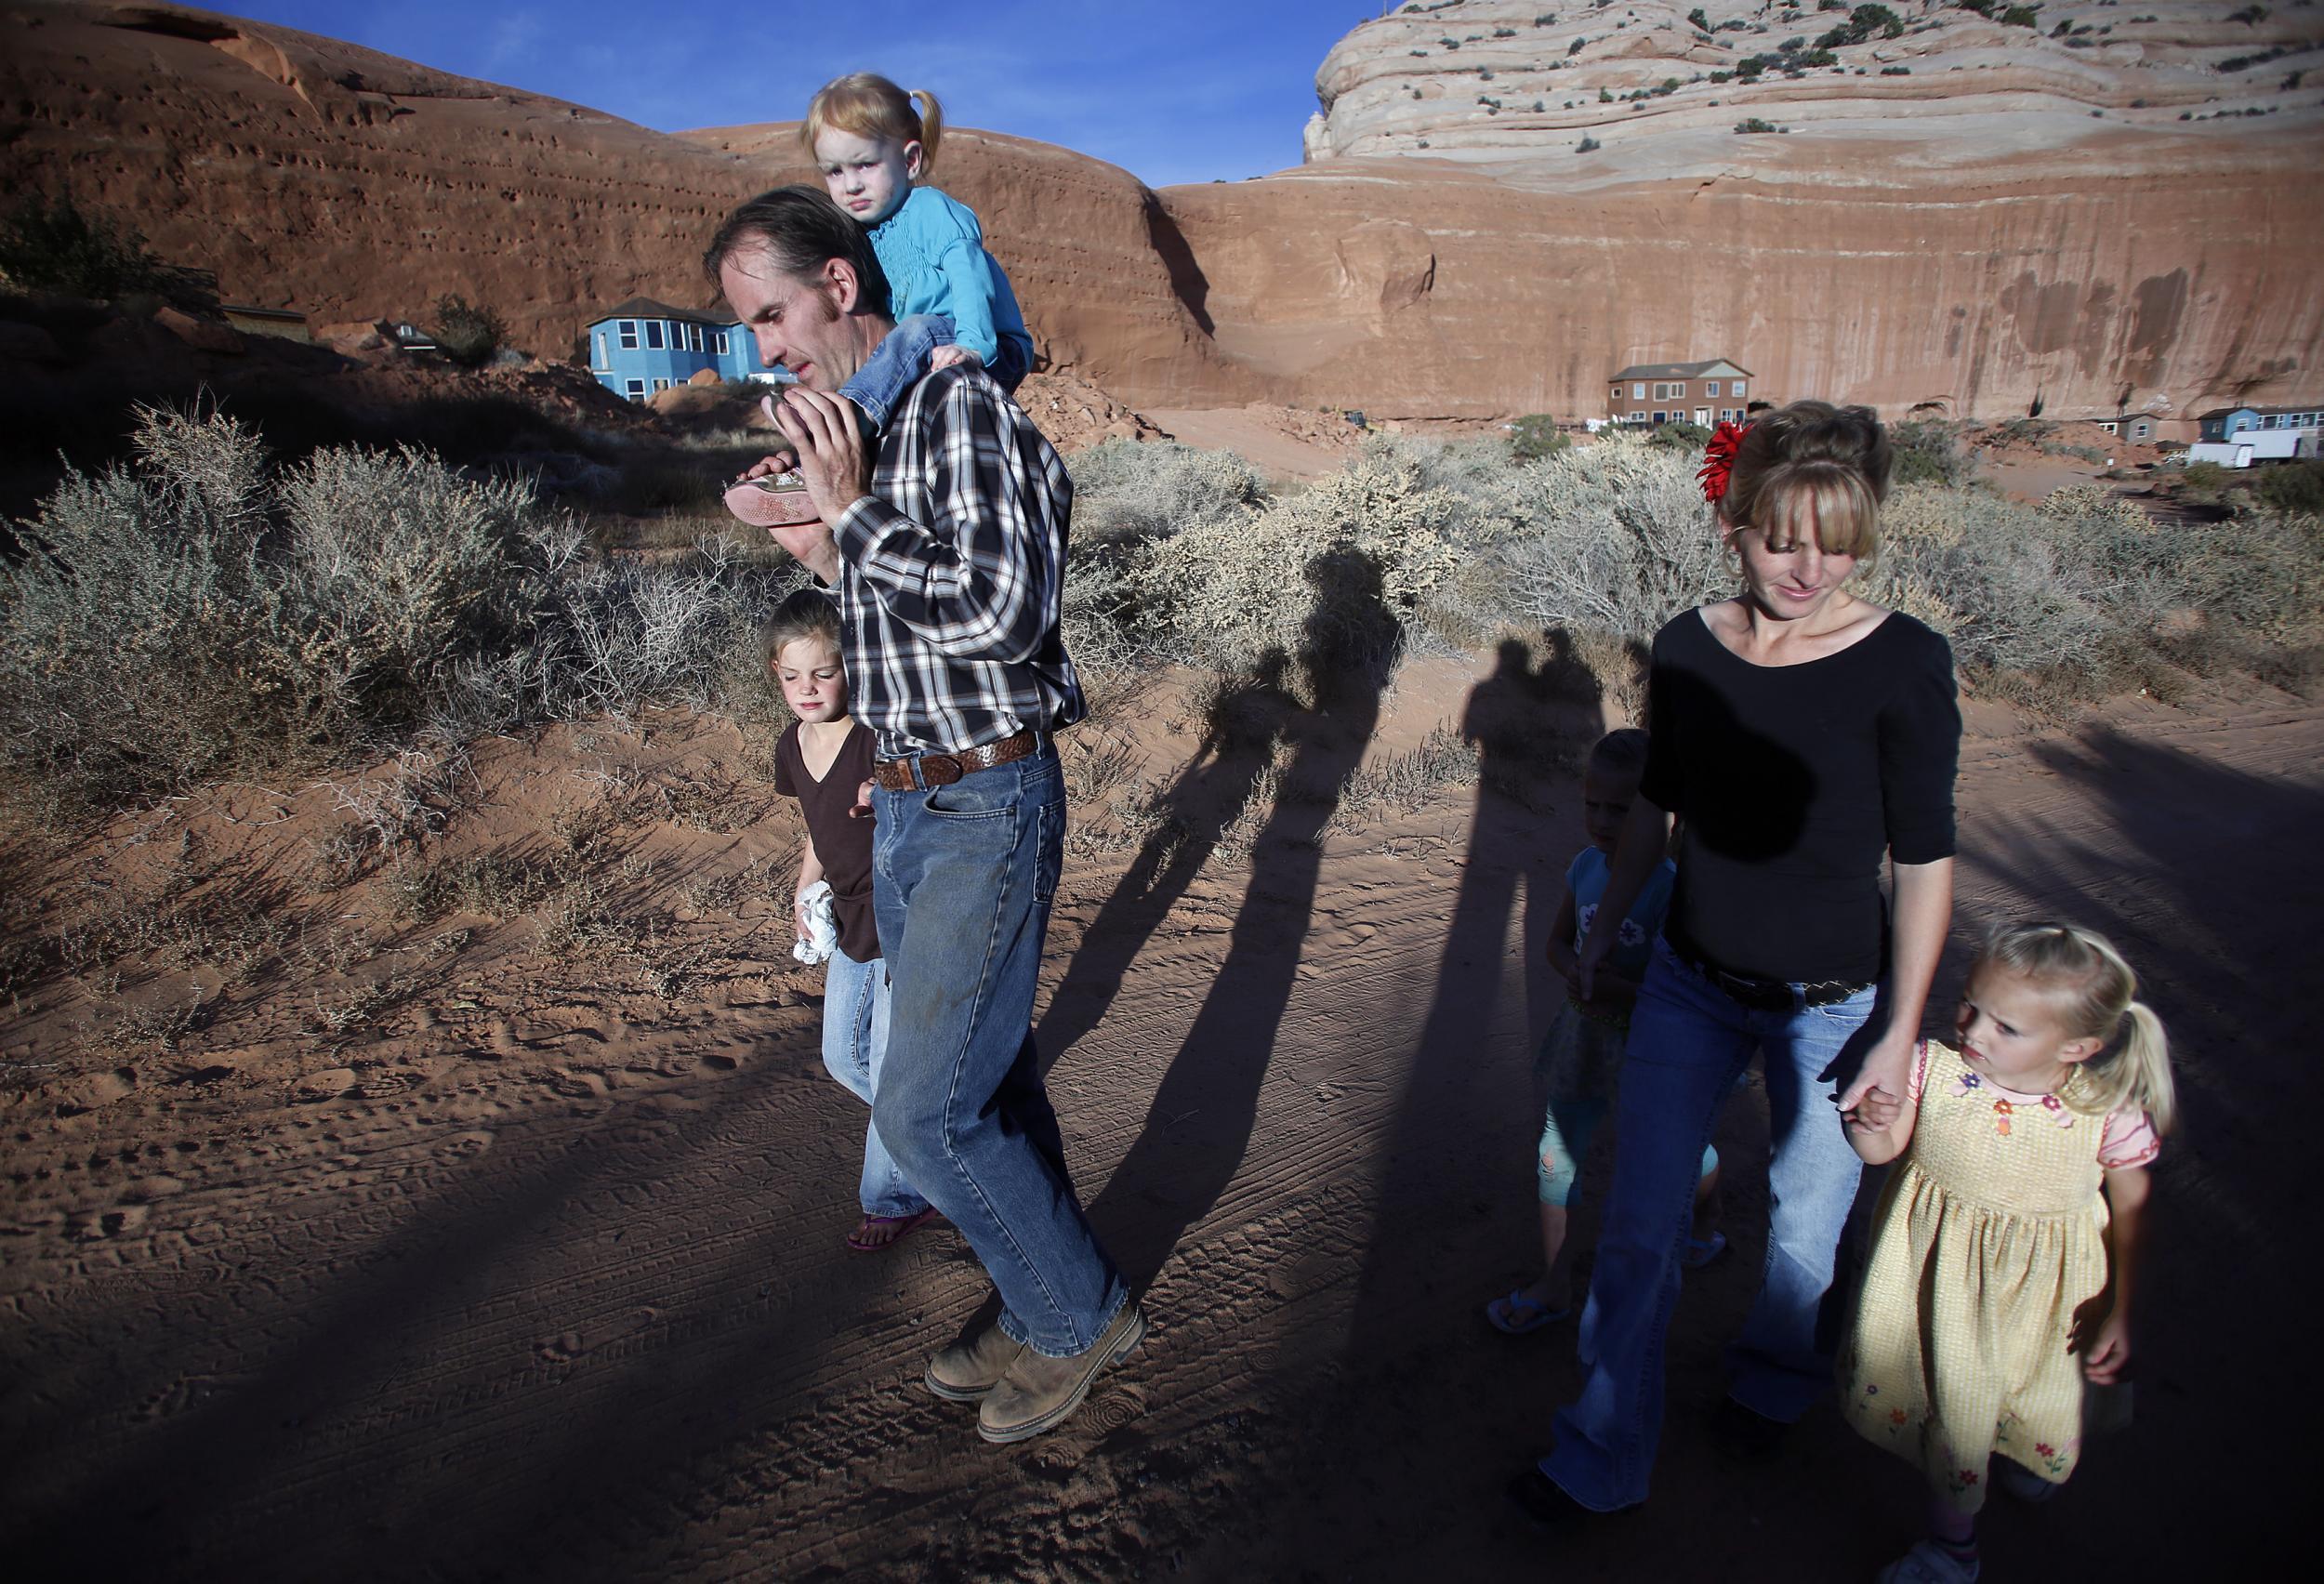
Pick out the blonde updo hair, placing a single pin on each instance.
(870, 106)
(1812, 466)
(2096, 994)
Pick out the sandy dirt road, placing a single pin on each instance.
(560, 1292)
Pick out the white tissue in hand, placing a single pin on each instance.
(823, 926)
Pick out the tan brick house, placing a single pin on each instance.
(1703, 393)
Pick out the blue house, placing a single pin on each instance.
(2223, 423)
(645, 345)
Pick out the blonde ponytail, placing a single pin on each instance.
(932, 126)
(2098, 996)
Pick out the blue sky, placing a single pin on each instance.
(1172, 92)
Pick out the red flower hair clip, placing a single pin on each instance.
(1719, 459)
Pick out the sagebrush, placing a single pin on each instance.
(198, 611)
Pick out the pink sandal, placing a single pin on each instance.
(904, 1225)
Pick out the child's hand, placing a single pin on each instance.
(799, 915)
(1616, 992)
(2102, 1335)
(1590, 964)
(863, 810)
(1875, 1112)
(946, 357)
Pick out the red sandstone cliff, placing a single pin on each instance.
(1964, 232)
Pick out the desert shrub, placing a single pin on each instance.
(1375, 542)
(2294, 488)
(466, 333)
(1124, 490)
(2087, 585)
(1588, 145)
(1680, 435)
(49, 246)
(2204, 479)
(196, 610)
(1611, 538)
(1928, 451)
(1535, 436)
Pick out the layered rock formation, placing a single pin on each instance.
(318, 175)
(2097, 212)
(1968, 212)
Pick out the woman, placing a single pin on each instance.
(1801, 734)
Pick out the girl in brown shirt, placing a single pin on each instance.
(824, 758)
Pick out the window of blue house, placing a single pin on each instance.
(636, 388)
(696, 337)
(723, 347)
(653, 334)
(628, 329)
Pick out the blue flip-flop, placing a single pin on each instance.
(1518, 1314)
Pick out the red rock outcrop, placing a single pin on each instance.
(315, 174)
(2100, 213)
(1966, 213)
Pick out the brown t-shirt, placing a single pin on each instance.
(843, 844)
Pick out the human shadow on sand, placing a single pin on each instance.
(1199, 1124)
(1240, 728)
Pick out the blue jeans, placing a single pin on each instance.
(900, 362)
(1688, 1042)
(963, 878)
(854, 1045)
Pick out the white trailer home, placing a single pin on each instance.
(2226, 452)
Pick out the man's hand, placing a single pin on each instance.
(946, 357)
(830, 446)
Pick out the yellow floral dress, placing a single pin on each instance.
(1991, 1234)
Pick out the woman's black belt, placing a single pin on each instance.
(1768, 994)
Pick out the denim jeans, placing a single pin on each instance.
(1688, 1042)
(963, 878)
(900, 362)
(854, 1046)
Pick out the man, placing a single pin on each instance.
(948, 548)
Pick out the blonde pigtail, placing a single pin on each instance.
(932, 128)
(2146, 1061)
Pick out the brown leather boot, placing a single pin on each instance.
(1036, 1394)
(968, 1368)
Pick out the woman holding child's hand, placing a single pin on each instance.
(1805, 735)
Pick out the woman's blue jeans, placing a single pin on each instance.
(963, 878)
(1688, 1042)
(855, 1043)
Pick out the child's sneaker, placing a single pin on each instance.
(776, 501)
(1930, 1562)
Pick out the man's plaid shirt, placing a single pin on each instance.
(954, 577)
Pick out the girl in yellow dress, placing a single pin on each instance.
(2006, 1256)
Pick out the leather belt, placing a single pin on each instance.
(942, 770)
(1768, 994)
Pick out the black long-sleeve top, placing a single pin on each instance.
(1791, 782)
